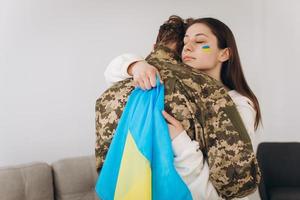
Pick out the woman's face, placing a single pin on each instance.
(200, 49)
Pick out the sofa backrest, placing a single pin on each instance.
(280, 163)
(75, 178)
(26, 182)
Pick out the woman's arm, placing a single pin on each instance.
(192, 167)
(117, 68)
(131, 65)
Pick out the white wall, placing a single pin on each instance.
(280, 83)
(53, 54)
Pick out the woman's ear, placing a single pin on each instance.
(224, 55)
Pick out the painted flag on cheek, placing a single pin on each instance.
(139, 163)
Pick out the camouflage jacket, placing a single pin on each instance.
(206, 112)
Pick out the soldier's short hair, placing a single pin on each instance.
(172, 32)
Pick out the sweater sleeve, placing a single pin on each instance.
(117, 68)
(192, 167)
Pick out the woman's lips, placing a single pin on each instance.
(187, 58)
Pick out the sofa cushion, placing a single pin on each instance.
(75, 178)
(32, 181)
(285, 193)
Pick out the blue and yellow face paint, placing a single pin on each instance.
(206, 48)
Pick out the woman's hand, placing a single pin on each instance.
(175, 127)
(144, 74)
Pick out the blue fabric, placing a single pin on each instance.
(142, 115)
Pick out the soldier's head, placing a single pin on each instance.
(209, 45)
(171, 34)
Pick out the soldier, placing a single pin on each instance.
(203, 107)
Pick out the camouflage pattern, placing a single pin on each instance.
(206, 112)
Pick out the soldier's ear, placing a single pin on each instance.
(224, 55)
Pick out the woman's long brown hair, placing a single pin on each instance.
(232, 74)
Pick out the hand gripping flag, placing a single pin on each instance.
(139, 163)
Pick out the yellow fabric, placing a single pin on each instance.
(134, 180)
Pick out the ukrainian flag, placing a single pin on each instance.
(139, 163)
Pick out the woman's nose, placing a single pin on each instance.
(188, 47)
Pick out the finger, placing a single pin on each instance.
(147, 83)
(152, 77)
(140, 83)
(171, 129)
(169, 118)
(134, 83)
(157, 73)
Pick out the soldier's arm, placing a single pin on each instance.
(233, 166)
(109, 108)
(248, 114)
(195, 171)
(104, 133)
(189, 160)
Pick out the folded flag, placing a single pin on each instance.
(139, 163)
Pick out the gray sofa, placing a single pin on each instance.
(279, 163)
(67, 179)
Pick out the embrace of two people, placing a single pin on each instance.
(211, 112)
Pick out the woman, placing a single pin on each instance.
(209, 46)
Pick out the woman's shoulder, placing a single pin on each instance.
(240, 100)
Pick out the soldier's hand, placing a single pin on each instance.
(175, 127)
(144, 74)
